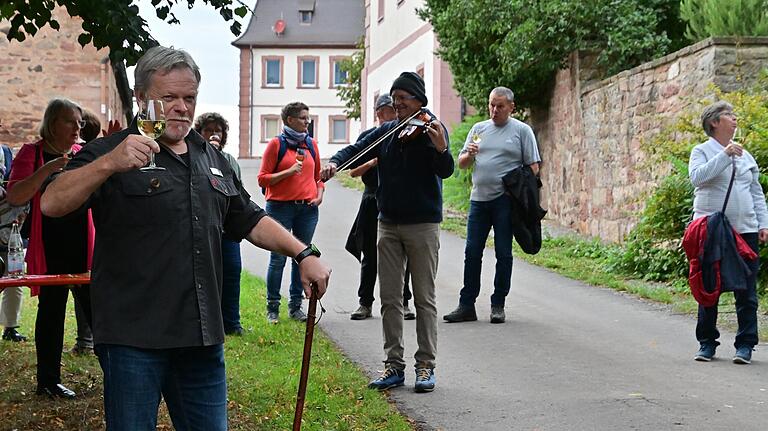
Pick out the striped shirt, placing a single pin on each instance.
(709, 169)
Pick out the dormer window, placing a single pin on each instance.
(306, 10)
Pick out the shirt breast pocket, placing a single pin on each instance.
(147, 199)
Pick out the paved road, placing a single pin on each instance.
(570, 357)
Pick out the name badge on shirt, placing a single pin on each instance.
(217, 172)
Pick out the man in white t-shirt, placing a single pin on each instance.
(496, 147)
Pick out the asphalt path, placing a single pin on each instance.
(569, 357)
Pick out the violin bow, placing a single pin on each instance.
(370, 146)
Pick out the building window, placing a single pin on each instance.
(338, 76)
(313, 126)
(270, 127)
(339, 129)
(308, 71)
(272, 72)
(381, 10)
(306, 16)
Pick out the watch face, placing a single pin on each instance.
(315, 250)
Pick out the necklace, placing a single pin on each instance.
(54, 150)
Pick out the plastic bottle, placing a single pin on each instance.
(15, 253)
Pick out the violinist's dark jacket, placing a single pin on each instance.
(410, 175)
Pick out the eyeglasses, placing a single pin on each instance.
(398, 99)
(79, 123)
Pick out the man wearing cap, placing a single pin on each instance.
(410, 205)
(362, 238)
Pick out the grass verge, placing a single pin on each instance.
(262, 374)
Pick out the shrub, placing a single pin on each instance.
(457, 188)
(707, 18)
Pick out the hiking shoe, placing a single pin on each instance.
(390, 378)
(363, 312)
(425, 380)
(81, 350)
(11, 334)
(462, 313)
(273, 317)
(706, 353)
(298, 315)
(408, 314)
(743, 355)
(497, 314)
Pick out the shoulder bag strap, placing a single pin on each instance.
(730, 184)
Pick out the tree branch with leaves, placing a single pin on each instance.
(113, 24)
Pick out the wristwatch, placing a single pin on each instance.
(311, 250)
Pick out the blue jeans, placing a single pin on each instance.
(746, 308)
(495, 213)
(230, 293)
(192, 380)
(300, 219)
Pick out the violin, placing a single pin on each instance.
(415, 126)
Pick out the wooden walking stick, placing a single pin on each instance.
(305, 359)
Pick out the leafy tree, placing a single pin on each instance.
(522, 43)
(707, 18)
(350, 94)
(115, 24)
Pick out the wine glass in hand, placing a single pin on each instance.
(151, 122)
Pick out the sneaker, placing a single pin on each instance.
(298, 315)
(408, 314)
(497, 314)
(462, 313)
(425, 380)
(390, 378)
(11, 334)
(273, 317)
(706, 353)
(743, 355)
(363, 312)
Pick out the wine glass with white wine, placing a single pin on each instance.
(151, 122)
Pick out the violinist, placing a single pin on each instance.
(412, 164)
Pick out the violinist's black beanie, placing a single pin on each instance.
(411, 83)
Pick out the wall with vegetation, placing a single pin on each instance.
(590, 135)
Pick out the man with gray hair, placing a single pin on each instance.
(157, 321)
(496, 147)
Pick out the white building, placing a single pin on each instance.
(290, 52)
(397, 40)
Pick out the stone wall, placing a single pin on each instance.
(52, 64)
(590, 137)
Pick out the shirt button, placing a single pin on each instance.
(196, 218)
(197, 251)
(199, 286)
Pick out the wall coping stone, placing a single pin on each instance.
(669, 58)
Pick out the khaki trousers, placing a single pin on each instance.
(419, 245)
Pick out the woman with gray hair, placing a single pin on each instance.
(56, 245)
(710, 168)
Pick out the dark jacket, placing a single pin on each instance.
(410, 175)
(523, 187)
(716, 255)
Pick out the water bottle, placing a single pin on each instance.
(15, 253)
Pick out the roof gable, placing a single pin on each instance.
(334, 23)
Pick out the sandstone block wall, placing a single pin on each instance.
(589, 138)
(52, 64)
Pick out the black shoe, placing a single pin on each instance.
(11, 334)
(497, 314)
(298, 315)
(408, 314)
(462, 313)
(57, 390)
(363, 312)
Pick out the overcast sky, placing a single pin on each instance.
(206, 36)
